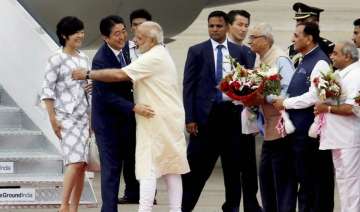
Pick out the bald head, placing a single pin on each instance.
(265, 30)
(344, 54)
(261, 38)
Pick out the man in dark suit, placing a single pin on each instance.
(113, 109)
(239, 21)
(212, 120)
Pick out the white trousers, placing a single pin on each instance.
(148, 188)
(347, 168)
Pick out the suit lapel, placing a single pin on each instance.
(232, 51)
(209, 56)
(110, 56)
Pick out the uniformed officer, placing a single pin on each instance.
(356, 33)
(306, 13)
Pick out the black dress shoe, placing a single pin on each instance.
(127, 200)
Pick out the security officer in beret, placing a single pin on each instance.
(306, 13)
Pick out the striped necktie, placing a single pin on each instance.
(121, 59)
(219, 70)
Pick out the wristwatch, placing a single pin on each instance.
(87, 77)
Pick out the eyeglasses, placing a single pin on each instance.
(253, 37)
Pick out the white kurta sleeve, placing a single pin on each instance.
(143, 67)
(311, 97)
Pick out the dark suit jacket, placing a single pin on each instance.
(199, 85)
(112, 103)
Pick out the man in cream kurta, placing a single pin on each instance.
(161, 142)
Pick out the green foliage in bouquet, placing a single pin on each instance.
(272, 80)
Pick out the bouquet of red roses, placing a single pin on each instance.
(244, 84)
(328, 87)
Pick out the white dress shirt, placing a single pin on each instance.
(116, 52)
(225, 53)
(226, 61)
(134, 51)
(311, 97)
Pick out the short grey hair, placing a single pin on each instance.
(350, 49)
(155, 31)
(265, 30)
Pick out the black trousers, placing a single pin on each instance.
(277, 179)
(314, 174)
(221, 136)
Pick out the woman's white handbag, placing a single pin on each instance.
(93, 159)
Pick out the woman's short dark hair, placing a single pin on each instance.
(67, 26)
(219, 13)
(108, 23)
(233, 13)
(140, 13)
(312, 29)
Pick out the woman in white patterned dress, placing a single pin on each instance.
(68, 107)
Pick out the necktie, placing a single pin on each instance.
(121, 59)
(219, 70)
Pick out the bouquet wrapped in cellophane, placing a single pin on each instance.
(241, 86)
(272, 86)
(328, 87)
(244, 85)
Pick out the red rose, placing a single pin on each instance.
(316, 81)
(275, 77)
(224, 86)
(235, 85)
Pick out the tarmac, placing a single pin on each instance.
(335, 24)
